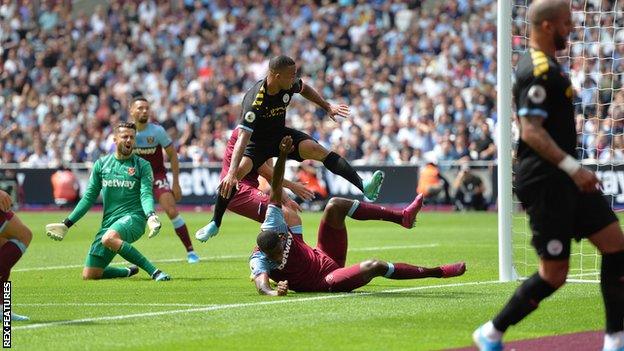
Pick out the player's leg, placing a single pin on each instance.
(212, 228)
(98, 260)
(119, 237)
(17, 238)
(551, 208)
(358, 275)
(167, 202)
(306, 148)
(406, 217)
(14, 239)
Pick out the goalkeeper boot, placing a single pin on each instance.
(191, 257)
(410, 212)
(207, 232)
(132, 270)
(483, 343)
(373, 186)
(160, 276)
(18, 318)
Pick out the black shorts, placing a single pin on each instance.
(558, 212)
(260, 152)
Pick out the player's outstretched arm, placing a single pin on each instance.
(266, 171)
(230, 180)
(285, 148)
(175, 171)
(147, 199)
(264, 287)
(311, 94)
(534, 134)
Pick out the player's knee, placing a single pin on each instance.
(25, 235)
(374, 267)
(171, 212)
(336, 209)
(555, 276)
(109, 239)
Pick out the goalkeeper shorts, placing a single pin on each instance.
(130, 229)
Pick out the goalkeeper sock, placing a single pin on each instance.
(132, 255)
(221, 206)
(407, 271)
(341, 167)
(524, 301)
(115, 272)
(612, 287)
(182, 232)
(364, 211)
(10, 253)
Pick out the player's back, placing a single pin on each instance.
(251, 178)
(542, 89)
(301, 265)
(150, 143)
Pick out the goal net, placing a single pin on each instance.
(594, 60)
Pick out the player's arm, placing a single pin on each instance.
(147, 198)
(172, 155)
(532, 112)
(57, 231)
(264, 287)
(230, 180)
(311, 94)
(285, 148)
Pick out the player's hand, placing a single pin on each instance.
(56, 231)
(286, 145)
(177, 191)
(341, 110)
(586, 180)
(288, 202)
(227, 184)
(300, 190)
(5, 201)
(282, 288)
(153, 223)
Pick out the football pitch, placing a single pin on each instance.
(213, 305)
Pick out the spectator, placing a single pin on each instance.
(469, 190)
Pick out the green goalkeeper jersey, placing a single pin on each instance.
(126, 187)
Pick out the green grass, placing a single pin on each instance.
(385, 315)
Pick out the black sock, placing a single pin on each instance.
(341, 167)
(524, 301)
(221, 206)
(612, 287)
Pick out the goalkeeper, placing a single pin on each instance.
(125, 181)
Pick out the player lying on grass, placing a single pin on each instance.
(14, 239)
(284, 257)
(249, 201)
(125, 180)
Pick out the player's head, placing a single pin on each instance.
(124, 135)
(139, 109)
(272, 244)
(283, 70)
(553, 19)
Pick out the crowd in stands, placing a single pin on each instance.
(419, 76)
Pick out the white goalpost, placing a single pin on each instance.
(595, 62)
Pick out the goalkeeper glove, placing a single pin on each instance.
(56, 231)
(153, 223)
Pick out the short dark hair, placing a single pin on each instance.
(280, 62)
(267, 240)
(128, 125)
(136, 98)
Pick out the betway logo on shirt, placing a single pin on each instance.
(116, 183)
(286, 252)
(145, 151)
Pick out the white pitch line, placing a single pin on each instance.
(227, 257)
(242, 305)
(80, 304)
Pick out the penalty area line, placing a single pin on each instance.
(244, 305)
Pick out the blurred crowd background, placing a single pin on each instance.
(419, 76)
